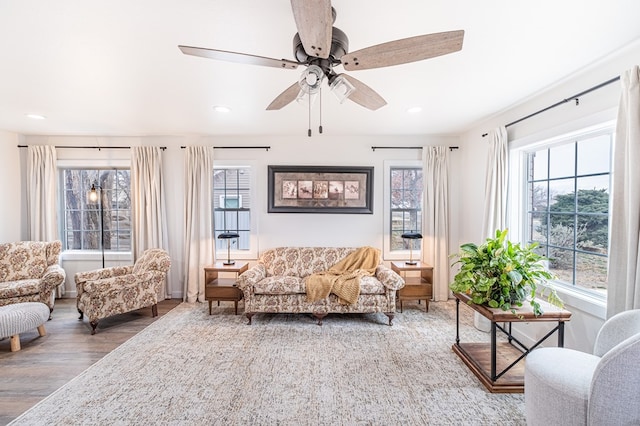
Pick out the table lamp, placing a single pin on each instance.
(411, 236)
(226, 235)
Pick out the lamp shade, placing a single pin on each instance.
(228, 235)
(412, 235)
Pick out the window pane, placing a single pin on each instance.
(231, 204)
(562, 161)
(594, 155)
(561, 264)
(537, 199)
(538, 164)
(406, 204)
(83, 223)
(561, 231)
(593, 194)
(562, 195)
(591, 271)
(577, 228)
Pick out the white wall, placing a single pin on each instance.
(274, 229)
(10, 189)
(598, 106)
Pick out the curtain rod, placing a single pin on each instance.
(90, 147)
(575, 97)
(373, 148)
(266, 148)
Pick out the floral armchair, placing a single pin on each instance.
(116, 290)
(30, 272)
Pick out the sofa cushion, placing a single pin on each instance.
(22, 260)
(11, 289)
(280, 285)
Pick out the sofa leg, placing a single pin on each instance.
(154, 310)
(390, 315)
(81, 314)
(94, 325)
(249, 315)
(319, 316)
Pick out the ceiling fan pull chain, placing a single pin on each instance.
(309, 131)
(320, 96)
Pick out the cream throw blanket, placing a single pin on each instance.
(343, 278)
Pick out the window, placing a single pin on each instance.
(405, 206)
(83, 227)
(567, 208)
(231, 205)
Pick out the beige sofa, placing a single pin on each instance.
(29, 272)
(276, 284)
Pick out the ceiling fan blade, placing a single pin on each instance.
(364, 95)
(314, 21)
(242, 58)
(403, 51)
(285, 98)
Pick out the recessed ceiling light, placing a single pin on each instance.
(36, 116)
(220, 108)
(414, 110)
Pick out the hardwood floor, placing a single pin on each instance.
(46, 363)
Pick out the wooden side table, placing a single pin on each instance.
(500, 365)
(223, 289)
(416, 287)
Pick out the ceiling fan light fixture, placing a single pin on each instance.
(304, 98)
(311, 79)
(341, 88)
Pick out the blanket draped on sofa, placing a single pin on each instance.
(343, 278)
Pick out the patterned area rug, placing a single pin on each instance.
(192, 368)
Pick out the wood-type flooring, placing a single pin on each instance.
(46, 363)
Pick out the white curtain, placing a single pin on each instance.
(435, 218)
(149, 228)
(497, 177)
(624, 254)
(42, 197)
(199, 239)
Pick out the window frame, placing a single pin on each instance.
(92, 255)
(252, 251)
(388, 253)
(518, 209)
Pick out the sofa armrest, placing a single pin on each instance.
(251, 276)
(98, 274)
(52, 278)
(389, 278)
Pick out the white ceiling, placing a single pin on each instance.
(113, 67)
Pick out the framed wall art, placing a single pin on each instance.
(320, 189)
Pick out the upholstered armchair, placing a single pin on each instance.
(110, 291)
(567, 387)
(30, 272)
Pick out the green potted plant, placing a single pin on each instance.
(501, 274)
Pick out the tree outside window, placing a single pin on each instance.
(568, 191)
(81, 224)
(406, 206)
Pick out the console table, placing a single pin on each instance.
(500, 366)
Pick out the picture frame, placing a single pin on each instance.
(320, 189)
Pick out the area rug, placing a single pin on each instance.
(192, 368)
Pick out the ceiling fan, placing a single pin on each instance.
(320, 47)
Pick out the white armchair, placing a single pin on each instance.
(567, 387)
